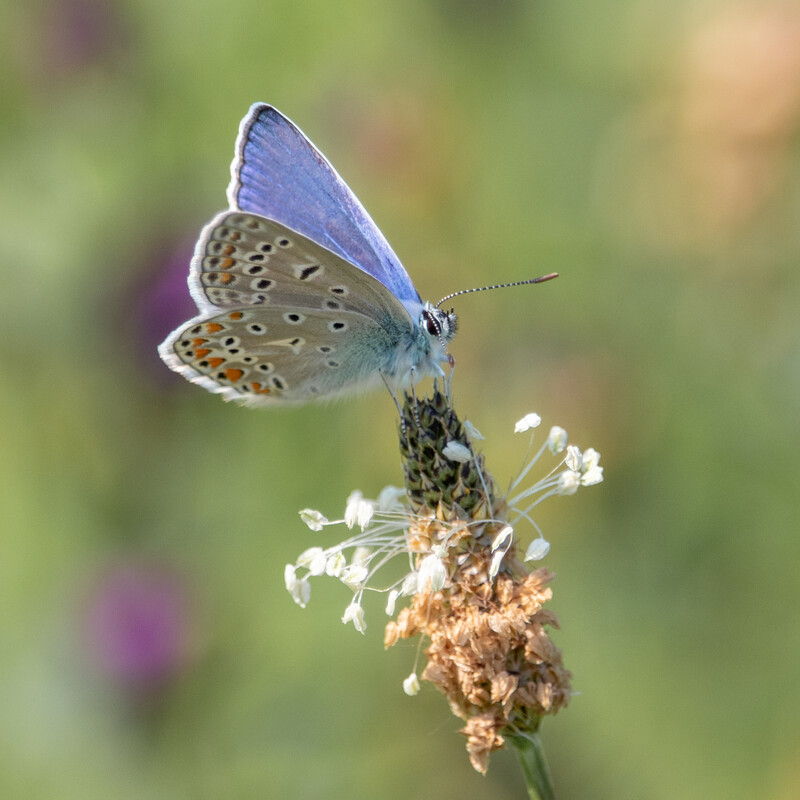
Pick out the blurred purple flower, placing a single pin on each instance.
(64, 37)
(138, 624)
(161, 302)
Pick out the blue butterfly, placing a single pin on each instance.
(299, 295)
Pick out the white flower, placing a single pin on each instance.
(529, 421)
(557, 440)
(411, 684)
(390, 498)
(537, 549)
(497, 560)
(472, 431)
(289, 577)
(500, 547)
(314, 559)
(355, 614)
(336, 563)
(353, 575)
(573, 459)
(568, 482)
(299, 589)
(313, 519)
(503, 538)
(592, 476)
(410, 583)
(361, 555)
(591, 458)
(456, 451)
(302, 592)
(393, 595)
(358, 511)
(431, 570)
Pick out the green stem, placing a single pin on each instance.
(534, 766)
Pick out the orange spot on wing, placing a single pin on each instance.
(214, 327)
(233, 374)
(202, 352)
(226, 278)
(226, 263)
(229, 249)
(198, 342)
(235, 315)
(258, 390)
(215, 362)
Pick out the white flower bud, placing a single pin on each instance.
(289, 577)
(431, 570)
(472, 431)
(568, 482)
(390, 603)
(314, 559)
(455, 451)
(573, 459)
(336, 563)
(390, 498)
(591, 458)
(355, 614)
(529, 421)
(313, 519)
(503, 538)
(592, 476)
(354, 575)
(411, 684)
(537, 549)
(301, 592)
(557, 440)
(410, 583)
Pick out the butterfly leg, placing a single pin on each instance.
(396, 402)
(448, 379)
(414, 395)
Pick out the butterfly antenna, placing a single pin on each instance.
(540, 279)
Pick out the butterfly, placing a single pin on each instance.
(299, 295)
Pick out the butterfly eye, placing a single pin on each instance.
(432, 324)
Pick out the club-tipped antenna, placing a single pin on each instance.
(540, 279)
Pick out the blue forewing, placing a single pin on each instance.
(279, 174)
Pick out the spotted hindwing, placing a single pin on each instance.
(283, 319)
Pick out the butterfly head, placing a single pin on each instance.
(437, 328)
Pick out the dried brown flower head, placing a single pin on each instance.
(489, 651)
(476, 605)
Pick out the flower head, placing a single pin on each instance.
(470, 596)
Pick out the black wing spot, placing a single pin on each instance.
(309, 272)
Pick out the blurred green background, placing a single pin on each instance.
(646, 150)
